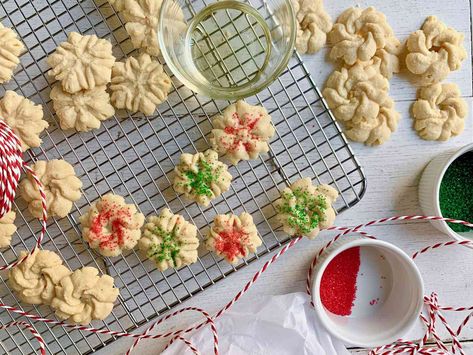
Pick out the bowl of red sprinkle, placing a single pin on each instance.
(446, 189)
(367, 292)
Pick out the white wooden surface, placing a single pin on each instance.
(393, 172)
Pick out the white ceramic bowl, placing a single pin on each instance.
(429, 188)
(394, 314)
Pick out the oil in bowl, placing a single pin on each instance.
(228, 49)
(232, 56)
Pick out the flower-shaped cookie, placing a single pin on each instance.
(233, 237)
(82, 62)
(61, 185)
(111, 226)
(305, 209)
(439, 112)
(142, 19)
(84, 296)
(10, 50)
(201, 177)
(313, 24)
(169, 240)
(24, 117)
(434, 51)
(139, 84)
(375, 132)
(358, 97)
(242, 132)
(34, 280)
(7, 228)
(361, 35)
(83, 110)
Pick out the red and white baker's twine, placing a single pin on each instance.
(11, 163)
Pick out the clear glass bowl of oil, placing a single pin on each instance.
(227, 49)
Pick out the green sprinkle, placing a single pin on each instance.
(456, 193)
(167, 250)
(201, 181)
(304, 215)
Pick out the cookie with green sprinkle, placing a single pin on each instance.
(201, 177)
(304, 209)
(169, 240)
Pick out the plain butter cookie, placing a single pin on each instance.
(439, 112)
(434, 51)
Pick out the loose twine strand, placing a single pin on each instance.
(11, 164)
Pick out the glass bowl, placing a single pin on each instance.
(227, 49)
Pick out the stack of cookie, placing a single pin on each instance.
(358, 93)
(83, 67)
(432, 53)
(78, 297)
(141, 84)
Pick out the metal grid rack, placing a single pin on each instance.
(135, 157)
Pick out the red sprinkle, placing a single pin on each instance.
(338, 285)
(231, 243)
(374, 302)
(114, 217)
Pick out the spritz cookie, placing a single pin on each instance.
(7, 228)
(10, 50)
(359, 99)
(82, 111)
(84, 296)
(201, 177)
(35, 279)
(142, 21)
(139, 84)
(61, 185)
(169, 240)
(233, 237)
(304, 209)
(434, 51)
(242, 132)
(313, 24)
(439, 112)
(82, 62)
(24, 117)
(362, 34)
(112, 226)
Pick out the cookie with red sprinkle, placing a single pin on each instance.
(233, 237)
(112, 226)
(242, 132)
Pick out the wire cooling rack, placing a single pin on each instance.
(134, 157)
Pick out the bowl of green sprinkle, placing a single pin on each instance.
(446, 189)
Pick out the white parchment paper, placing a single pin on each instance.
(276, 325)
